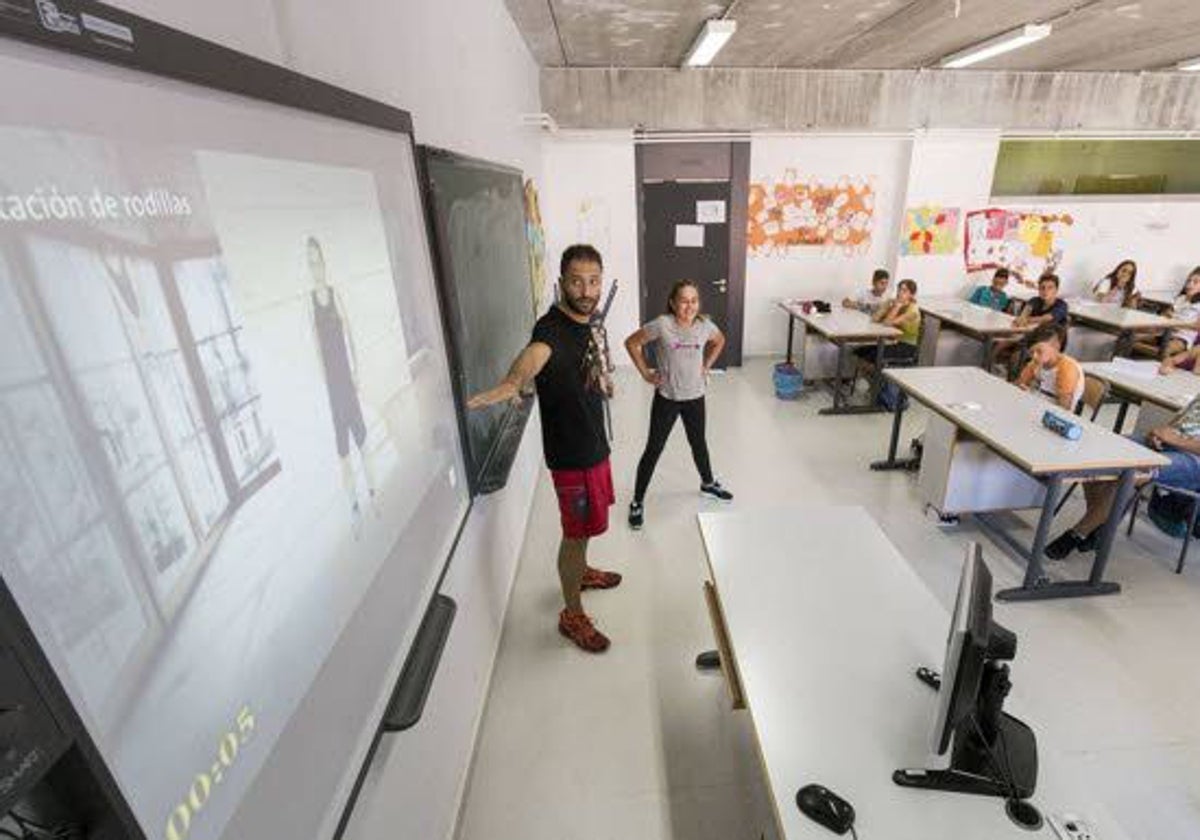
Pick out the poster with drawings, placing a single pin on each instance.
(1026, 243)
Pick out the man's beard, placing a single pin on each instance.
(577, 305)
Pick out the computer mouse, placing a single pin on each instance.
(822, 805)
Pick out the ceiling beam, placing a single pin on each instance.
(728, 99)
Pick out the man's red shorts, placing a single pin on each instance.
(584, 497)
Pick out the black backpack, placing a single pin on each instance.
(1173, 507)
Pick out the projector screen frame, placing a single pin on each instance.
(95, 31)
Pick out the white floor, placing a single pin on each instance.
(636, 744)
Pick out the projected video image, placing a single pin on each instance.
(213, 434)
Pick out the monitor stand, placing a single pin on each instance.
(993, 754)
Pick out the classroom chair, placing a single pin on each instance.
(1095, 393)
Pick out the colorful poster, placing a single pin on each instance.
(1025, 243)
(930, 230)
(804, 212)
(535, 235)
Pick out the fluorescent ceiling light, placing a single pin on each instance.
(1189, 65)
(1028, 34)
(709, 42)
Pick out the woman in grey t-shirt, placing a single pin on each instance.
(688, 344)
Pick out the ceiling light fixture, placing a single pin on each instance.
(1191, 65)
(708, 43)
(1028, 34)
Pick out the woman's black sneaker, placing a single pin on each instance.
(714, 490)
(635, 516)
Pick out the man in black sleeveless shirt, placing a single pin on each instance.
(568, 358)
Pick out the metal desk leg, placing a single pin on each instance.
(1035, 575)
(988, 344)
(1124, 344)
(1121, 412)
(837, 382)
(877, 378)
(839, 397)
(791, 334)
(1125, 490)
(1034, 571)
(1037, 588)
(891, 463)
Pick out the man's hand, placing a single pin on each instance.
(505, 391)
(1166, 367)
(652, 376)
(1165, 436)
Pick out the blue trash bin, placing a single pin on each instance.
(789, 381)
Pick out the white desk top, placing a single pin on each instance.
(1010, 421)
(828, 622)
(847, 325)
(1116, 317)
(971, 318)
(1173, 391)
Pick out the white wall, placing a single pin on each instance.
(464, 73)
(591, 196)
(815, 272)
(953, 170)
(1159, 234)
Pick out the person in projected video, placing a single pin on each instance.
(338, 361)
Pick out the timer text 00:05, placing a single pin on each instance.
(180, 821)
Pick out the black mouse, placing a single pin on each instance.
(822, 805)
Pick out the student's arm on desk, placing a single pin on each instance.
(1169, 436)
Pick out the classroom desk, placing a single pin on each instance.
(1008, 421)
(1159, 302)
(977, 322)
(822, 623)
(1125, 324)
(1170, 393)
(843, 328)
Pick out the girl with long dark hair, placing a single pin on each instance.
(688, 344)
(1119, 286)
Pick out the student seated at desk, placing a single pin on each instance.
(1046, 308)
(872, 298)
(1051, 372)
(902, 313)
(993, 296)
(1119, 286)
(1179, 440)
(1186, 308)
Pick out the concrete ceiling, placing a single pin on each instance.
(861, 34)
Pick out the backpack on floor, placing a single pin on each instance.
(1172, 507)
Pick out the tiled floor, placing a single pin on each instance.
(636, 745)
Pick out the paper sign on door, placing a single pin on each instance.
(710, 212)
(689, 236)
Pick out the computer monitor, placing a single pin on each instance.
(991, 753)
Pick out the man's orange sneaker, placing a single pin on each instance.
(599, 579)
(579, 629)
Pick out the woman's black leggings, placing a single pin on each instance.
(662, 419)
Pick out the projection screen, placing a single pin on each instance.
(230, 467)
